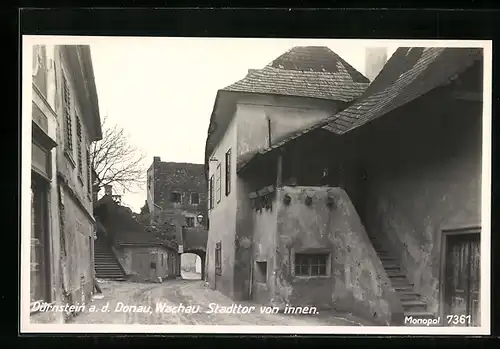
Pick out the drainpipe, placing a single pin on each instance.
(275, 237)
(269, 130)
(279, 173)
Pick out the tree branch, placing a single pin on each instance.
(116, 161)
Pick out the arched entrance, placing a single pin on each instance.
(193, 265)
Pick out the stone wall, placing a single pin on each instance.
(184, 178)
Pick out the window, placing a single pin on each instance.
(149, 182)
(211, 193)
(228, 172)
(89, 173)
(261, 272)
(217, 183)
(39, 256)
(190, 222)
(218, 267)
(175, 197)
(79, 139)
(195, 199)
(162, 259)
(311, 264)
(68, 141)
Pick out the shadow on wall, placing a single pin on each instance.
(322, 222)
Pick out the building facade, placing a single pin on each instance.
(297, 90)
(65, 120)
(130, 250)
(176, 194)
(385, 220)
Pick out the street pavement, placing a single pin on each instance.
(160, 303)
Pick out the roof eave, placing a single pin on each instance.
(85, 58)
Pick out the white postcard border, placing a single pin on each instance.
(484, 329)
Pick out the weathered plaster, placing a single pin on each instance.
(437, 185)
(78, 266)
(66, 167)
(72, 273)
(264, 250)
(136, 262)
(222, 218)
(286, 116)
(357, 282)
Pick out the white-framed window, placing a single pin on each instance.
(311, 264)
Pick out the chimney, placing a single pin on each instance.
(375, 59)
(156, 159)
(108, 190)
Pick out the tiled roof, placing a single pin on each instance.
(410, 73)
(124, 228)
(311, 71)
(143, 238)
(414, 72)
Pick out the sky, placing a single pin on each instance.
(161, 91)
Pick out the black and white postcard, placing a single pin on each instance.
(210, 185)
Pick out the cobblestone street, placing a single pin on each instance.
(194, 293)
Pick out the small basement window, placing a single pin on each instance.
(175, 197)
(309, 264)
(261, 272)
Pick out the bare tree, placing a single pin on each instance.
(116, 161)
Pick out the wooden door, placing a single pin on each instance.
(40, 277)
(462, 279)
(141, 263)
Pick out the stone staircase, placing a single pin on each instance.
(412, 302)
(106, 264)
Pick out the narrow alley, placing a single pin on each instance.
(188, 292)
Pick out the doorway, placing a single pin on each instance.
(39, 256)
(462, 277)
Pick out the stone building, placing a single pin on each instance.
(65, 121)
(384, 220)
(176, 194)
(300, 88)
(129, 250)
